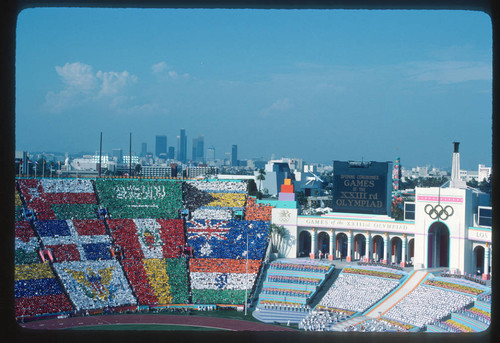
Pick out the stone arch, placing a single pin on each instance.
(478, 260)
(304, 243)
(438, 246)
(341, 245)
(411, 250)
(378, 248)
(323, 243)
(396, 250)
(359, 246)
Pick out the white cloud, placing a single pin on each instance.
(449, 72)
(113, 82)
(159, 67)
(81, 85)
(77, 75)
(279, 106)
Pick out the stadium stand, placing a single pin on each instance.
(59, 198)
(288, 288)
(140, 198)
(254, 211)
(218, 270)
(37, 291)
(26, 244)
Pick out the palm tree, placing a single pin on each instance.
(277, 233)
(261, 177)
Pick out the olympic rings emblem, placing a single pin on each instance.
(439, 211)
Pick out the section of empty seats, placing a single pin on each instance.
(59, 198)
(37, 291)
(95, 284)
(139, 198)
(69, 240)
(148, 238)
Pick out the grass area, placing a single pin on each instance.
(142, 327)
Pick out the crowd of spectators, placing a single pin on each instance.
(426, 304)
(95, 284)
(139, 198)
(59, 198)
(37, 291)
(26, 244)
(473, 278)
(301, 267)
(223, 278)
(485, 297)
(320, 320)
(357, 292)
(220, 186)
(69, 242)
(380, 264)
(374, 325)
(212, 213)
(294, 279)
(476, 314)
(255, 211)
(228, 239)
(148, 238)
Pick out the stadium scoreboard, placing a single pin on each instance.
(362, 187)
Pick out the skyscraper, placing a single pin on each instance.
(211, 154)
(200, 149)
(161, 145)
(118, 155)
(182, 147)
(144, 149)
(234, 155)
(194, 155)
(171, 153)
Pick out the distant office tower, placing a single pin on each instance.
(193, 149)
(211, 154)
(118, 155)
(199, 149)
(161, 145)
(182, 146)
(171, 153)
(234, 156)
(144, 149)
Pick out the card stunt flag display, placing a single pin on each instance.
(75, 240)
(95, 284)
(148, 238)
(37, 291)
(227, 239)
(133, 198)
(59, 198)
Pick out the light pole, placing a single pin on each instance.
(246, 286)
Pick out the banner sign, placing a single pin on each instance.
(361, 187)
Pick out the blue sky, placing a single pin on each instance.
(320, 85)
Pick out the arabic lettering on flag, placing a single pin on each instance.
(75, 240)
(95, 284)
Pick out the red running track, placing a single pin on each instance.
(209, 322)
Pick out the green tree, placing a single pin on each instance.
(485, 185)
(252, 187)
(260, 178)
(473, 183)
